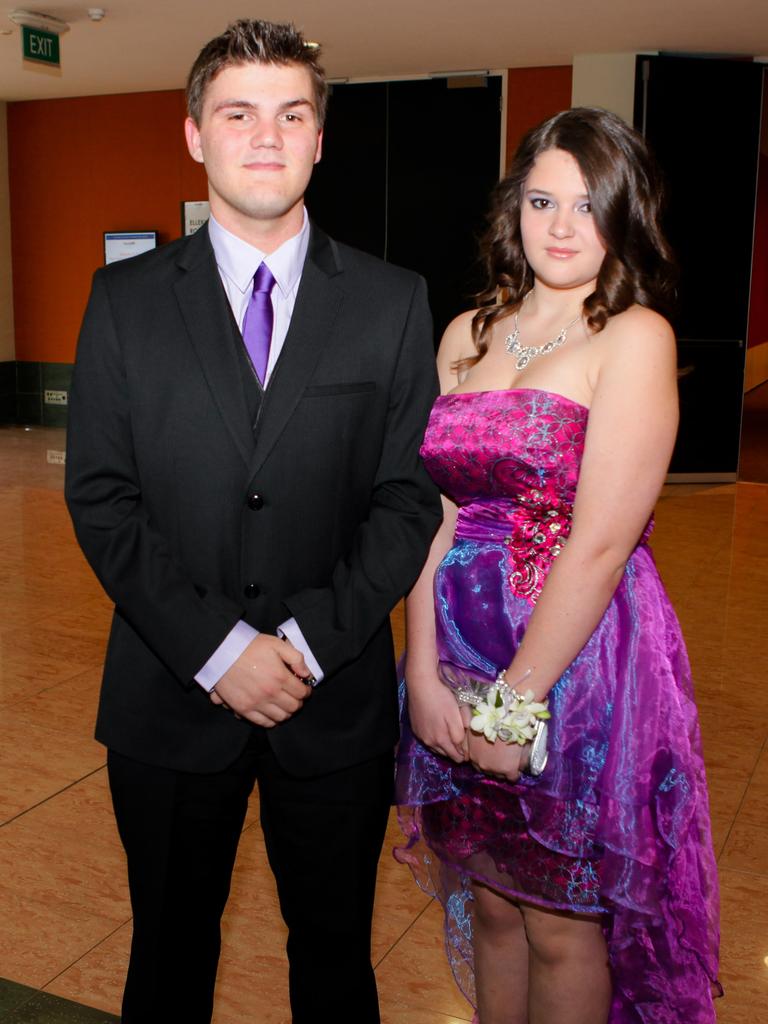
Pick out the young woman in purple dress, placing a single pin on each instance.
(550, 774)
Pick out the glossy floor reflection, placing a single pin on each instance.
(63, 896)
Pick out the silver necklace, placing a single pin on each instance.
(525, 353)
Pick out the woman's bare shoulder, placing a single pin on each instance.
(638, 321)
(458, 335)
(634, 345)
(456, 344)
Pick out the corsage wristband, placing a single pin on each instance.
(500, 712)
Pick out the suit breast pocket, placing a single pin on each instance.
(357, 387)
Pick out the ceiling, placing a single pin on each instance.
(149, 45)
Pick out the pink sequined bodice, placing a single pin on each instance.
(510, 460)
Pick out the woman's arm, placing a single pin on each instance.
(432, 709)
(630, 435)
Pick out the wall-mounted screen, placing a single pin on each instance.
(121, 245)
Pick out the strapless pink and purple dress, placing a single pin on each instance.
(618, 822)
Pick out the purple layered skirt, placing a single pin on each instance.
(617, 824)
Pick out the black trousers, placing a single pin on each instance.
(323, 837)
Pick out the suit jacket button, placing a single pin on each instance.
(251, 590)
(255, 502)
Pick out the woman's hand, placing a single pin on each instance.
(436, 720)
(502, 760)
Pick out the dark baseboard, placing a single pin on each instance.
(34, 393)
(20, 1004)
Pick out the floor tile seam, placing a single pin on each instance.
(25, 657)
(18, 714)
(401, 936)
(742, 871)
(41, 631)
(69, 681)
(82, 956)
(736, 813)
(52, 796)
(20, 698)
(75, 744)
(755, 766)
(437, 1015)
(74, 920)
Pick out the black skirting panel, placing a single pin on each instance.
(406, 173)
(701, 118)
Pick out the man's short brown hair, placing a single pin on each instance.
(263, 42)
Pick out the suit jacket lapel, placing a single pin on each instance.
(317, 305)
(205, 309)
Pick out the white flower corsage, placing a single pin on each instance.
(499, 711)
(508, 716)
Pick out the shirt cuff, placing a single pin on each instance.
(291, 630)
(226, 654)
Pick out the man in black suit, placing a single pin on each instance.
(254, 514)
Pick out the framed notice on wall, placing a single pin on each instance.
(121, 245)
(194, 215)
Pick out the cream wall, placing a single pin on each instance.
(605, 80)
(7, 345)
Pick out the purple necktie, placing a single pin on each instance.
(257, 325)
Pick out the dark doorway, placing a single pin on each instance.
(701, 118)
(406, 173)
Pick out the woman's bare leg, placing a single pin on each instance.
(501, 958)
(569, 981)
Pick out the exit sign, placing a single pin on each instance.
(40, 46)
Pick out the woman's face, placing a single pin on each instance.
(560, 239)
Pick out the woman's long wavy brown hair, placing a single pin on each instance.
(626, 195)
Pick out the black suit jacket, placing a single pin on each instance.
(162, 457)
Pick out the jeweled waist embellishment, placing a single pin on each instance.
(538, 538)
(533, 529)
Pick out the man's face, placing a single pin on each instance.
(259, 139)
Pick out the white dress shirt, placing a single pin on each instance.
(238, 262)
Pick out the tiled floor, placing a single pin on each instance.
(63, 899)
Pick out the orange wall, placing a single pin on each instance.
(77, 168)
(534, 94)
